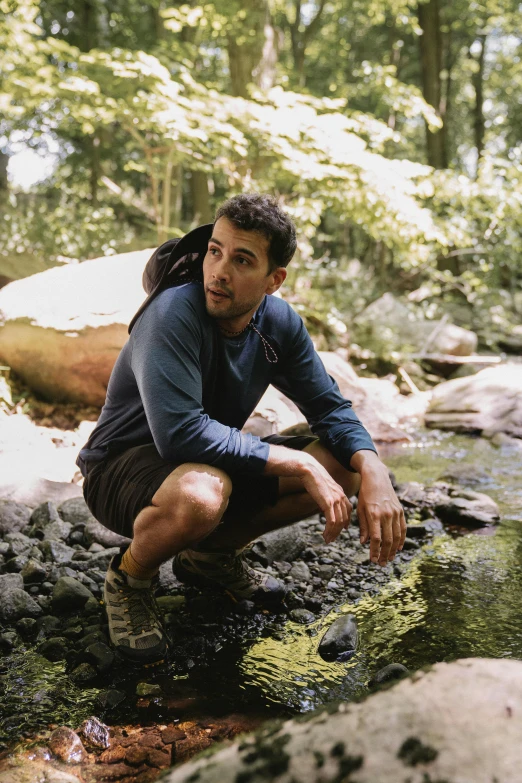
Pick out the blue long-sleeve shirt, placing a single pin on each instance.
(180, 384)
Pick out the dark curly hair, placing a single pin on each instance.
(261, 213)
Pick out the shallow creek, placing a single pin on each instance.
(459, 596)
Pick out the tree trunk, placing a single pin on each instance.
(4, 185)
(252, 48)
(200, 197)
(478, 84)
(301, 36)
(430, 43)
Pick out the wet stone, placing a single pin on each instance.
(394, 671)
(300, 572)
(95, 733)
(101, 655)
(27, 626)
(110, 699)
(150, 740)
(339, 643)
(303, 616)
(33, 571)
(172, 734)
(69, 594)
(158, 758)
(57, 530)
(83, 674)
(19, 544)
(66, 745)
(113, 755)
(44, 515)
(17, 603)
(8, 640)
(136, 755)
(54, 649)
(47, 625)
(148, 689)
(15, 564)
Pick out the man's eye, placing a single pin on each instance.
(242, 260)
(213, 250)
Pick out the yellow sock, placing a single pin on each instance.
(134, 569)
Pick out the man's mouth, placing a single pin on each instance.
(217, 295)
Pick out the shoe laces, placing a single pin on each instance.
(142, 610)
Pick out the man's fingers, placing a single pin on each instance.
(363, 522)
(375, 537)
(386, 537)
(348, 512)
(404, 528)
(396, 534)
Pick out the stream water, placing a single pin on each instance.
(460, 596)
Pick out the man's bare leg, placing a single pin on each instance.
(186, 508)
(293, 505)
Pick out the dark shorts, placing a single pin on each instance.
(119, 487)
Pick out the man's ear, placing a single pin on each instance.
(277, 278)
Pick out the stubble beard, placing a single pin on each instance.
(232, 310)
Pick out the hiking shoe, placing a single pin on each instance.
(135, 626)
(230, 571)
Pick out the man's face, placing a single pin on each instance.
(236, 271)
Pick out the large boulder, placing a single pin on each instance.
(489, 402)
(389, 325)
(276, 413)
(62, 329)
(459, 722)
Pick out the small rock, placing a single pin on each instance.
(44, 515)
(410, 543)
(10, 581)
(325, 572)
(136, 755)
(101, 655)
(102, 559)
(170, 603)
(8, 640)
(302, 616)
(33, 571)
(416, 530)
(54, 649)
(15, 564)
(284, 544)
(75, 511)
(110, 698)
(394, 671)
(95, 733)
(158, 758)
(17, 603)
(468, 508)
(245, 608)
(19, 543)
(113, 755)
(13, 516)
(27, 626)
(83, 674)
(172, 734)
(340, 641)
(57, 530)
(148, 689)
(56, 552)
(300, 572)
(47, 625)
(69, 594)
(66, 745)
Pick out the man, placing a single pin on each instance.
(167, 465)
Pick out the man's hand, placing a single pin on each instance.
(381, 517)
(330, 498)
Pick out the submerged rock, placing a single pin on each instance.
(394, 671)
(66, 745)
(340, 641)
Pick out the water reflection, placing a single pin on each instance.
(460, 598)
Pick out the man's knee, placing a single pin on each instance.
(195, 495)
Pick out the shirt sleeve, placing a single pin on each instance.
(166, 345)
(303, 378)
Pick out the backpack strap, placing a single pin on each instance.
(175, 262)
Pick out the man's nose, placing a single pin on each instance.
(221, 270)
